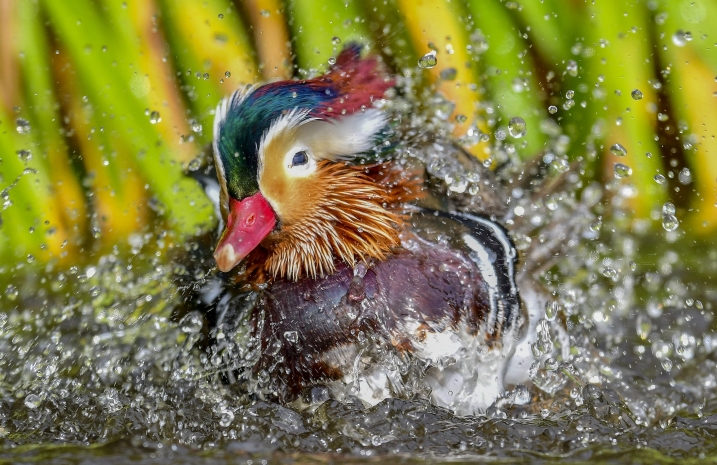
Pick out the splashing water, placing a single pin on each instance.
(428, 60)
(618, 150)
(112, 354)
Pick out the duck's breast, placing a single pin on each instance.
(419, 303)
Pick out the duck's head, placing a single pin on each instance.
(286, 155)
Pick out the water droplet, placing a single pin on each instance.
(192, 323)
(461, 118)
(568, 104)
(685, 343)
(609, 273)
(519, 85)
(11, 292)
(30, 258)
(660, 179)
(335, 40)
(643, 326)
(220, 16)
(264, 13)
(194, 165)
(552, 109)
(521, 395)
(570, 94)
(618, 150)
(428, 60)
(669, 222)
(668, 208)
(154, 117)
(590, 391)
(32, 401)
(24, 155)
(449, 74)
(572, 68)
(544, 341)
(195, 125)
(495, 413)
(457, 183)
(680, 38)
(551, 364)
(622, 170)
(500, 134)
(226, 419)
(667, 364)
(205, 76)
(552, 308)
(661, 349)
(291, 336)
(227, 74)
(636, 94)
(22, 126)
(517, 127)
(685, 176)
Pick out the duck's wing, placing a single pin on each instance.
(489, 246)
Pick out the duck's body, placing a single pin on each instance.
(432, 317)
(347, 283)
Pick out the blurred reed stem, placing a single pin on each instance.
(148, 57)
(212, 53)
(621, 64)
(438, 27)
(690, 71)
(550, 26)
(25, 200)
(30, 214)
(509, 74)
(116, 193)
(319, 26)
(271, 37)
(391, 35)
(42, 105)
(119, 98)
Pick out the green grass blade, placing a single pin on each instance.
(112, 89)
(509, 74)
(315, 23)
(620, 65)
(41, 102)
(206, 48)
(691, 67)
(271, 37)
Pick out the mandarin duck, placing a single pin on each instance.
(344, 283)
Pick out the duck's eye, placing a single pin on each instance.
(300, 158)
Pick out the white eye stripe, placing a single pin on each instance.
(345, 137)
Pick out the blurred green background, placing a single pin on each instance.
(104, 104)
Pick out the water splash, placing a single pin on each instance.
(428, 60)
(625, 354)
